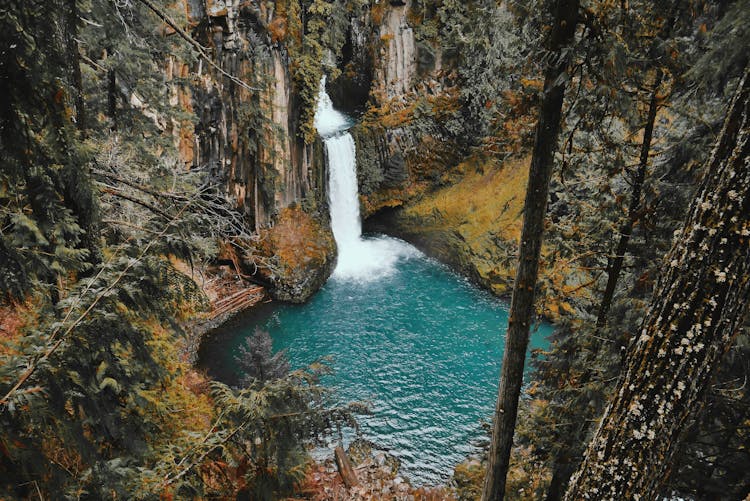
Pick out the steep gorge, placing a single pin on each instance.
(416, 164)
(415, 148)
(248, 136)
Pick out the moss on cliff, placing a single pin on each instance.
(302, 252)
(473, 223)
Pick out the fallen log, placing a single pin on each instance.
(345, 467)
(237, 301)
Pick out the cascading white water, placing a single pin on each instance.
(358, 258)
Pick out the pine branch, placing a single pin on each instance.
(139, 187)
(114, 192)
(129, 225)
(34, 364)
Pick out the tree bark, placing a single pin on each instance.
(535, 208)
(112, 99)
(561, 471)
(696, 310)
(74, 60)
(614, 267)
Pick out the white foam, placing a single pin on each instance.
(328, 121)
(359, 259)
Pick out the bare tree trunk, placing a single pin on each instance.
(74, 60)
(112, 99)
(697, 309)
(535, 208)
(614, 267)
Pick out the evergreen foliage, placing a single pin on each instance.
(315, 30)
(94, 215)
(98, 211)
(258, 362)
(482, 44)
(574, 379)
(48, 208)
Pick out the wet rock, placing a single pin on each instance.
(360, 450)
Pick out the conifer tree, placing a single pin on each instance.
(695, 313)
(258, 362)
(575, 376)
(535, 208)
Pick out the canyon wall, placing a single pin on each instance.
(423, 174)
(390, 71)
(247, 136)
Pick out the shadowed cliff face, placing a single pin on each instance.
(250, 138)
(247, 136)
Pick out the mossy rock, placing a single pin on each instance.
(301, 252)
(426, 59)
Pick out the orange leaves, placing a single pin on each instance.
(167, 495)
(533, 83)
(278, 29)
(377, 12)
(297, 240)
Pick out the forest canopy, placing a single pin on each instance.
(160, 171)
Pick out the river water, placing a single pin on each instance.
(419, 343)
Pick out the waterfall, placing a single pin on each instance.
(359, 258)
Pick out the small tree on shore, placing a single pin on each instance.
(258, 362)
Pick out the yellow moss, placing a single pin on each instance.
(392, 197)
(535, 83)
(527, 479)
(392, 113)
(482, 204)
(293, 238)
(469, 480)
(488, 198)
(445, 104)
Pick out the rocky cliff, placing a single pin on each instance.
(416, 165)
(393, 65)
(248, 136)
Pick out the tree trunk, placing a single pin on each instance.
(112, 99)
(348, 475)
(614, 267)
(561, 471)
(697, 308)
(535, 208)
(73, 56)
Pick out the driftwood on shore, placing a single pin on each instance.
(346, 471)
(236, 302)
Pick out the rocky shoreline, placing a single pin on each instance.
(378, 478)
